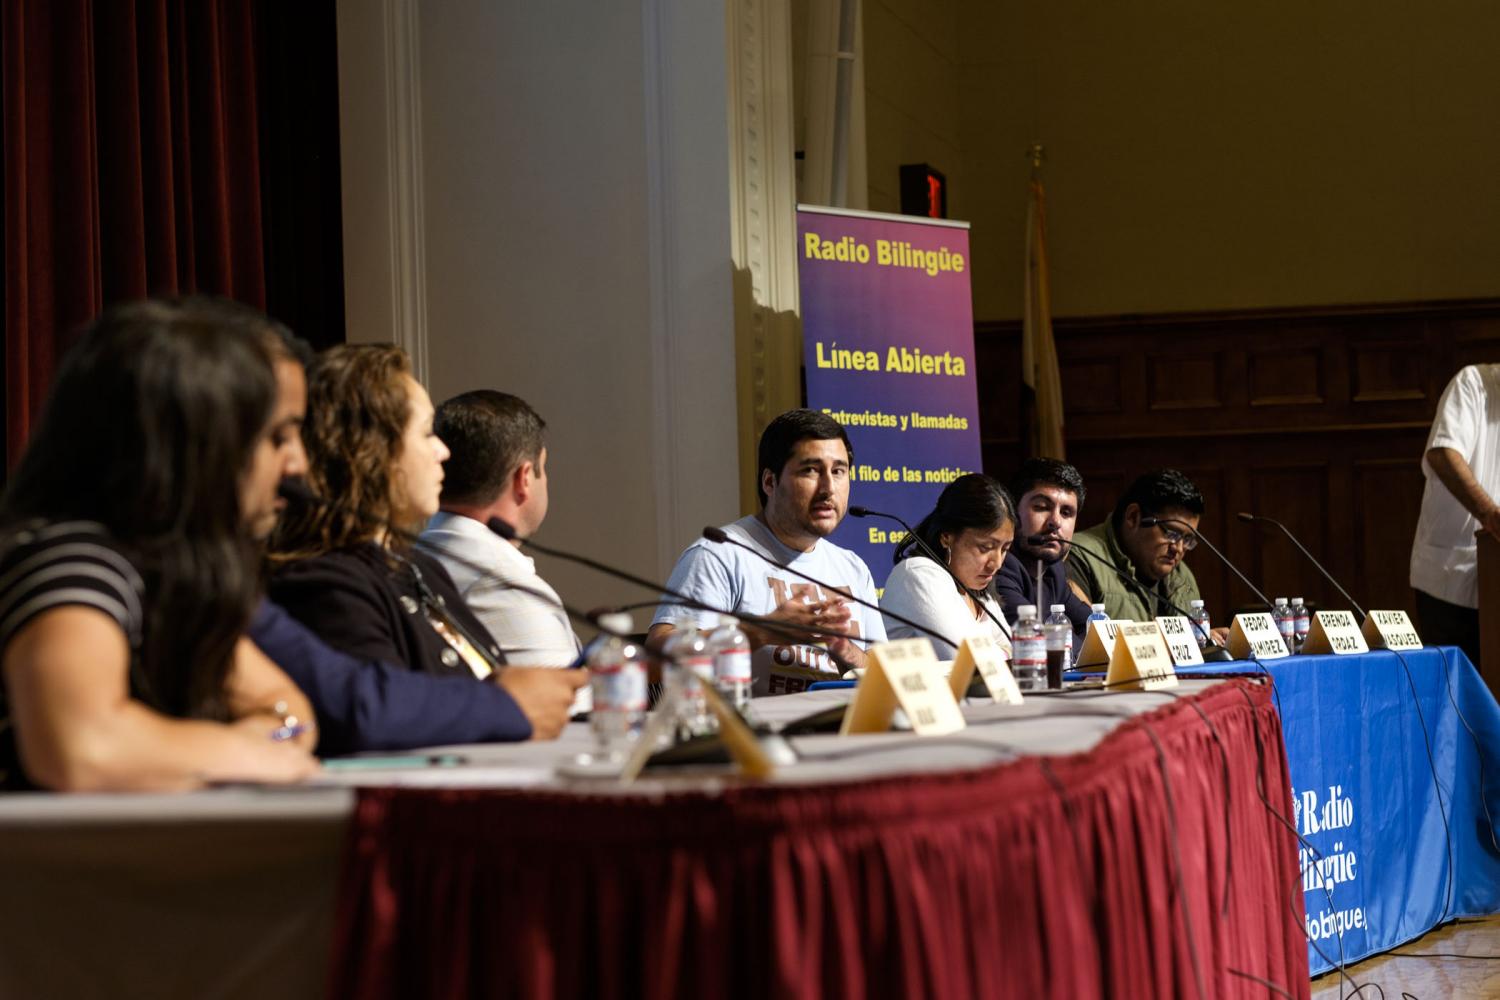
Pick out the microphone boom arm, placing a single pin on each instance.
(1310, 558)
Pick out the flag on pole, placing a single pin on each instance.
(1041, 404)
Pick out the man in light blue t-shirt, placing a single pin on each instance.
(804, 492)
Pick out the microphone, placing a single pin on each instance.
(506, 531)
(857, 511)
(1219, 653)
(722, 537)
(1248, 518)
(297, 491)
(1189, 529)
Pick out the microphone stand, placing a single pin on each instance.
(1189, 529)
(1248, 518)
(1218, 654)
(927, 549)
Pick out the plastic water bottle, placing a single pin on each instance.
(1286, 624)
(617, 681)
(1096, 613)
(1028, 650)
(1059, 634)
(690, 665)
(1198, 615)
(1302, 621)
(730, 650)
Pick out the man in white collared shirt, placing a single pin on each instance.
(1462, 466)
(498, 469)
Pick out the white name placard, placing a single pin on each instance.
(1335, 632)
(1256, 635)
(902, 673)
(1098, 644)
(984, 654)
(1140, 660)
(1181, 639)
(1391, 630)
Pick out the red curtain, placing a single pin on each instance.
(132, 167)
(1127, 871)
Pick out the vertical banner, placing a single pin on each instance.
(888, 347)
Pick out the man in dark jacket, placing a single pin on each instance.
(1049, 495)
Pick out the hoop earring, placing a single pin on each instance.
(947, 555)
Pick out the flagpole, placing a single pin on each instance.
(1027, 401)
(1042, 416)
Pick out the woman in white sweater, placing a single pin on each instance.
(971, 529)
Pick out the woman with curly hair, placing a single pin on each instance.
(344, 564)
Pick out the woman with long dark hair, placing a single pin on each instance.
(971, 527)
(127, 572)
(345, 565)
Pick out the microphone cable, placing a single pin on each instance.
(1147, 597)
(978, 596)
(721, 537)
(1437, 785)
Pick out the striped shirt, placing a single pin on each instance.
(48, 566)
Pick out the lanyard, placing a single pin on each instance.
(452, 632)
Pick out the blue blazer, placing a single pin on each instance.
(370, 705)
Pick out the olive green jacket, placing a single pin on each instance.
(1120, 600)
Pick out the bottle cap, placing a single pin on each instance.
(1058, 609)
(1026, 611)
(1195, 604)
(1097, 607)
(728, 620)
(1281, 600)
(1296, 600)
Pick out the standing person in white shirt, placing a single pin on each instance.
(498, 468)
(1463, 479)
(971, 527)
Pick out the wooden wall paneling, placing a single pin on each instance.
(1387, 499)
(997, 358)
(1472, 340)
(1213, 578)
(1297, 495)
(1388, 369)
(1184, 381)
(1283, 375)
(1314, 416)
(1094, 385)
(1335, 549)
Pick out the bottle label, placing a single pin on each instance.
(1029, 650)
(732, 666)
(703, 666)
(619, 687)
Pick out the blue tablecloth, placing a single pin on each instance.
(1398, 856)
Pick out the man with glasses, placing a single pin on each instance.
(1144, 540)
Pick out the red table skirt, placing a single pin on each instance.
(1148, 867)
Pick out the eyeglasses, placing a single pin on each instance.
(1187, 540)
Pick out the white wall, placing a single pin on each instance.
(572, 221)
